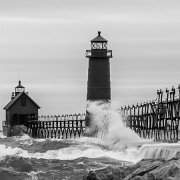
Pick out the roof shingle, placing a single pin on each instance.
(16, 98)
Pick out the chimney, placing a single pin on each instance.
(12, 96)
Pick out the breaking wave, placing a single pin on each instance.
(72, 152)
(88, 148)
(106, 123)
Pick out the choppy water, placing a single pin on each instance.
(25, 158)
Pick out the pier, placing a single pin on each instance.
(60, 127)
(158, 119)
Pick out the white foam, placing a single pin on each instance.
(107, 123)
(89, 150)
(33, 175)
(22, 138)
(70, 153)
(160, 150)
(9, 151)
(2, 136)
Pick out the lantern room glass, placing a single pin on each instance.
(19, 90)
(98, 45)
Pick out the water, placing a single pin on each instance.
(47, 159)
(27, 158)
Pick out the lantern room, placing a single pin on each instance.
(19, 89)
(99, 48)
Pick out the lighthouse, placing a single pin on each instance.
(99, 85)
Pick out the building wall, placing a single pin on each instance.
(8, 117)
(16, 108)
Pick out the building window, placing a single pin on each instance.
(23, 101)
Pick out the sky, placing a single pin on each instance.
(43, 44)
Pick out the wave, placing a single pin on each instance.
(69, 153)
(89, 150)
(2, 136)
(161, 150)
(107, 123)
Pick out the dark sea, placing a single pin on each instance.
(36, 159)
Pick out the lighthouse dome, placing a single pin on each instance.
(99, 38)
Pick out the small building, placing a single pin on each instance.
(20, 106)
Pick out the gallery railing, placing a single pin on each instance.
(64, 126)
(157, 119)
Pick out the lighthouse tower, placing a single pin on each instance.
(99, 85)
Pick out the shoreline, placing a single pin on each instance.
(146, 169)
(164, 164)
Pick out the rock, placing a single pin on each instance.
(149, 169)
(138, 178)
(110, 173)
(168, 170)
(159, 169)
(149, 176)
(145, 166)
(104, 173)
(91, 176)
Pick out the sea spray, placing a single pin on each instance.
(106, 123)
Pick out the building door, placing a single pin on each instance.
(19, 119)
(22, 119)
(15, 119)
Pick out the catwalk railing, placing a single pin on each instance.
(157, 119)
(64, 126)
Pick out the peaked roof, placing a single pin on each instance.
(16, 98)
(99, 38)
(19, 86)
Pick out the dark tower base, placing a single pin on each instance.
(99, 80)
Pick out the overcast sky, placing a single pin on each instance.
(43, 43)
